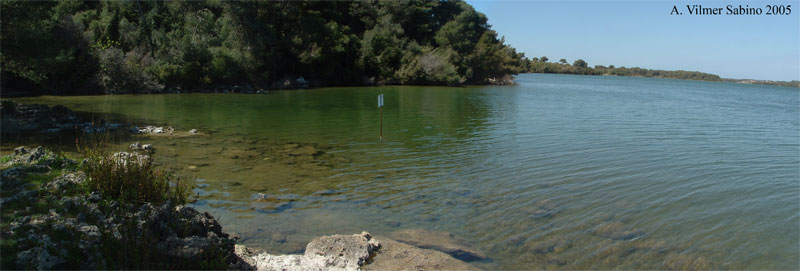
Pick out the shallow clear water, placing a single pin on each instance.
(558, 171)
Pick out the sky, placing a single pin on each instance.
(644, 34)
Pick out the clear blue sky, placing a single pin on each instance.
(644, 34)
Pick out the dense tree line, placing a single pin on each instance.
(540, 65)
(129, 46)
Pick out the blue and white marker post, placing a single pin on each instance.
(380, 106)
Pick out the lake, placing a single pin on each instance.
(555, 172)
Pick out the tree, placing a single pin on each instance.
(132, 46)
(543, 59)
(580, 63)
(562, 61)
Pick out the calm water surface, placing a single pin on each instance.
(566, 172)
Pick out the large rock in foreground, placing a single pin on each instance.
(336, 252)
(352, 252)
(394, 255)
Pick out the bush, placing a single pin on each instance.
(126, 72)
(131, 177)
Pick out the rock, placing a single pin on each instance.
(616, 231)
(295, 150)
(136, 146)
(95, 197)
(439, 241)
(675, 261)
(91, 231)
(243, 258)
(39, 256)
(65, 182)
(541, 209)
(79, 224)
(394, 255)
(550, 245)
(25, 156)
(24, 196)
(23, 118)
(290, 82)
(149, 129)
(239, 153)
(336, 252)
(343, 251)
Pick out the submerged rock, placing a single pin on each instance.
(554, 244)
(149, 129)
(296, 150)
(541, 209)
(440, 241)
(18, 117)
(616, 231)
(676, 261)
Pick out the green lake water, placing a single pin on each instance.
(556, 172)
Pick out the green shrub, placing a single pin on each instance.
(132, 177)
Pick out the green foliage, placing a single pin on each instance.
(42, 178)
(124, 73)
(132, 178)
(430, 66)
(43, 49)
(582, 68)
(143, 46)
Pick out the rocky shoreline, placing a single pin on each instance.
(68, 228)
(51, 220)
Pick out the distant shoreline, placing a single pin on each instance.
(580, 67)
(15, 93)
(794, 84)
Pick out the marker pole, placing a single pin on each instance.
(380, 106)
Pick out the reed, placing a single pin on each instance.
(131, 177)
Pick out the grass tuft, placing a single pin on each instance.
(132, 178)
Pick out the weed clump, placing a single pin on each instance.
(132, 177)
